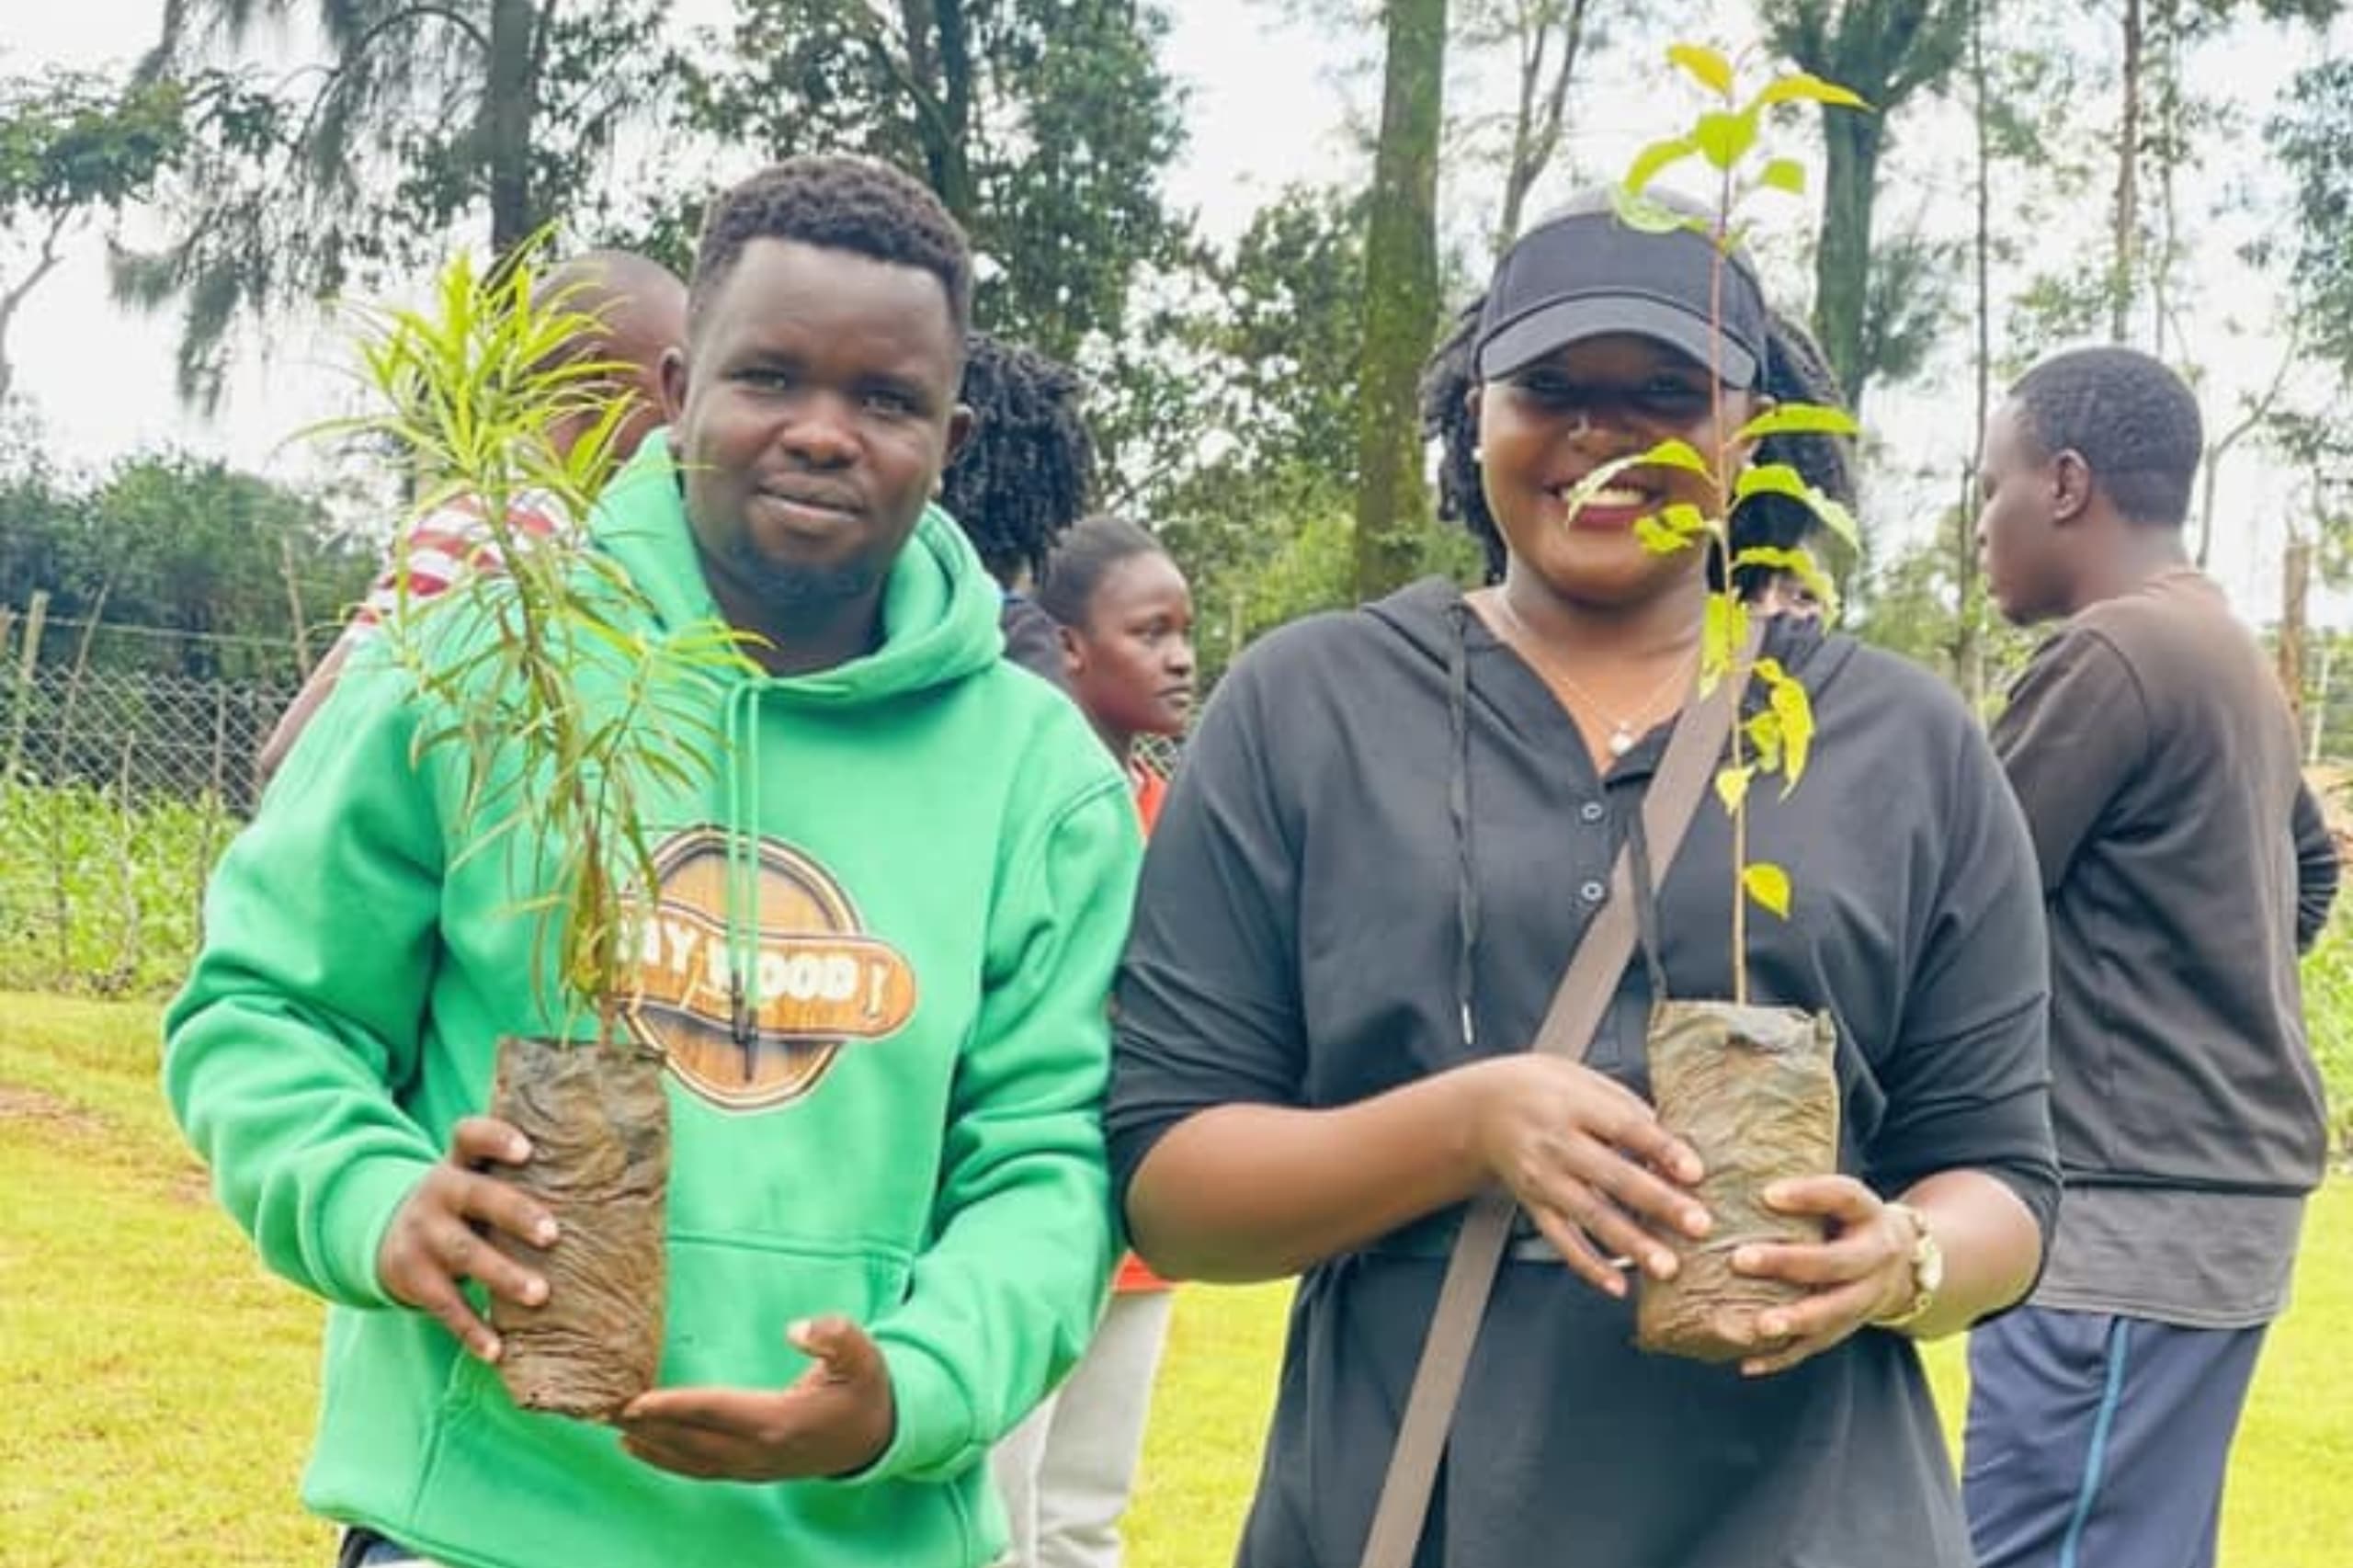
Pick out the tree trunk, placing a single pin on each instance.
(2127, 238)
(1536, 130)
(1401, 298)
(1841, 264)
(2296, 575)
(940, 58)
(1969, 642)
(509, 107)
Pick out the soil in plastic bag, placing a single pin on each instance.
(599, 1126)
(1755, 1091)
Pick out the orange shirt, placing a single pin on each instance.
(1151, 789)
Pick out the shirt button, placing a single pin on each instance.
(1592, 811)
(1592, 893)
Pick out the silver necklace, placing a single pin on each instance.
(1624, 735)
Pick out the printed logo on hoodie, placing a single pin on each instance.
(817, 982)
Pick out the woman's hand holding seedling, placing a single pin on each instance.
(1589, 1161)
(835, 1418)
(1860, 1273)
(438, 1237)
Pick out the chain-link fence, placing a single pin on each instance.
(123, 776)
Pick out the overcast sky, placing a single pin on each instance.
(1267, 108)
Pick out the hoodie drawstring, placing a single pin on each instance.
(743, 891)
(1458, 806)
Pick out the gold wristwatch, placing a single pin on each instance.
(1928, 1271)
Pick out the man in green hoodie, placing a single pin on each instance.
(889, 1228)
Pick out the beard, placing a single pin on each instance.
(787, 589)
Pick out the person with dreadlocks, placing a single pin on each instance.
(1393, 827)
(1024, 477)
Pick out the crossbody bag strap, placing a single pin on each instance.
(1584, 994)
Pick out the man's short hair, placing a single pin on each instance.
(2134, 423)
(840, 203)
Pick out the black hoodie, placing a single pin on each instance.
(1385, 809)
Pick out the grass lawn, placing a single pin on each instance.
(161, 1386)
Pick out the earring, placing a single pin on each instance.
(1479, 455)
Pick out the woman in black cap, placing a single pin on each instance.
(1392, 829)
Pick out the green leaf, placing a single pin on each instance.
(1798, 563)
(1684, 519)
(1659, 538)
(1671, 454)
(1784, 174)
(1799, 419)
(1795, 710)
(1780, 479)
(1641, 214)
(1732, 785)
(1768, 885)
(1806, 85)
(1724, 136)
(1764, 732)
(1724, 633)
(1656, 158)
(1709, 68)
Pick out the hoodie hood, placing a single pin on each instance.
(939, 604)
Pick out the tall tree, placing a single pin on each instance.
(464, 119)
(1548, 41)
(74, 147)
(1401, 309)
(1888, 51)
(1046, 126)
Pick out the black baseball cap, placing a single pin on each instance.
(1581, 272)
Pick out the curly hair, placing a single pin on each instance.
(1084, 558)
(1027, 470)
(2133, 422)
(841, 203)
(1795, 372)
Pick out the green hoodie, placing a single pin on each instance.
(945, 856)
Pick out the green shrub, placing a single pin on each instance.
(100, 893)
(2328, 1020)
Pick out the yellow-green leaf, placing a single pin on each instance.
(1784, 174)
(1768, 885)
(1707, 66)
(1795, 710)
(1656, 158)
(1671, 454)
(1659, 538)
(1799, 419)
(1724, 136)
(1798, 563)
(1806, 85)
(1780, 479)
(1764, 732)
(1732, 785)
(1725, 631)
(1684, 519)
(1641, 214)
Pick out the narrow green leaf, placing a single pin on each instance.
(1768, 885)
(1799, 419)
(1724, 137)
(1804, 85)
(1784, 174)
(1707, 66)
